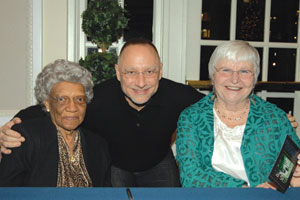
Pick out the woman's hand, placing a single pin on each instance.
(10, 138)
(267, 186)
(295, 181)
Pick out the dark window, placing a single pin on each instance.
(284, 21)
(140, 14)
(260, 52)
(215, 19)
(282, 64)
(250, 20)
(205, 54)
(286, 104)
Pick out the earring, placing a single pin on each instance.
(48, 110)
(252, 99)
(213, 95)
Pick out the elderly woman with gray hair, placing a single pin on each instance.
(57, 153)
(231, 138)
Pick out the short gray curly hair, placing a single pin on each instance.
(58, 71)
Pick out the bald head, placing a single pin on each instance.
(138, 41)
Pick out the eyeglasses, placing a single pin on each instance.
(135, 74)
(243, 73)
(64, 100)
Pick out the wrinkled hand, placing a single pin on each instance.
(267, 186)
(293, 121)
(295, 181)
(10, 138)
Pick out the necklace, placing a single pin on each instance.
(72, 158)
(230, 118)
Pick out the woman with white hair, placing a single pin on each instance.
(57, 153)
(231, 138)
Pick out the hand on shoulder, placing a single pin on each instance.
(10, 138)
(293, 121)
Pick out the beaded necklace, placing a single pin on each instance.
(229, 118)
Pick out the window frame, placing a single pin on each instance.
(193, 69)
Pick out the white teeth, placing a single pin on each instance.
(233, 88)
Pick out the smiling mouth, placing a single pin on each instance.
(71, 118)
(233, 88)
(139, 91)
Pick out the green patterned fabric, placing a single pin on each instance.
(265, 131)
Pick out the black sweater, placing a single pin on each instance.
(35, 163)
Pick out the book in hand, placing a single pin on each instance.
(284, 167)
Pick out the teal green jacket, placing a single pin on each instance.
(265, 131)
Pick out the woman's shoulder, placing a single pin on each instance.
(199, 111)
(31, 112)
(34, 126)
(266, 107)
(38, 133)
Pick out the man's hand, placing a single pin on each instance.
(295, 181)
(10, 138)
(292, 121)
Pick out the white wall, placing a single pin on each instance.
(54, 30)
(21, 48)
(15, 56)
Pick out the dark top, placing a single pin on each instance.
(138, 140)
(35, 163)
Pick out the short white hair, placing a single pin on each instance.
(235, 50)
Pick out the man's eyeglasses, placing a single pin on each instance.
(146, 74)
(243, 73)
(64, 100)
